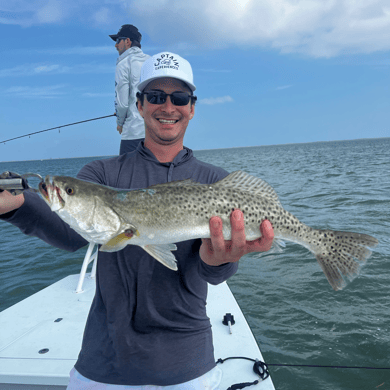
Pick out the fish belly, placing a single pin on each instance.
(166, 235)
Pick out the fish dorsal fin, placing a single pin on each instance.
(243, 181)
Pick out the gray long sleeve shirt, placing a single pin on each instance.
(147, 324)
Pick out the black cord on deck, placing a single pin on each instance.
(308, 365)
(261, 369)
(57, 127)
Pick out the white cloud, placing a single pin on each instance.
(81, 50)
(35, 12)
(47, 69)
(36, 92)
(216, 100)
(318, 28)
(102, 16)
(98, 95)
(214, 70)
(27, 13)
(51, 12)
(85, 50)
(283, 87)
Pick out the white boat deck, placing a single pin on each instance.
(41, 337)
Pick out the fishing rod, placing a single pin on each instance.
(57, 127)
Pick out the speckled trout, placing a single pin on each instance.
(158, 216)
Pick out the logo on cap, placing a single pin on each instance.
(166, 61)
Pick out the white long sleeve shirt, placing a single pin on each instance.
(127, 75)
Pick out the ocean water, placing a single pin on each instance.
(294, 314)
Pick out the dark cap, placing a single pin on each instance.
(127, 31)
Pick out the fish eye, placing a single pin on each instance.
(69, 190)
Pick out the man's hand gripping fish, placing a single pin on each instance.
(157, 217)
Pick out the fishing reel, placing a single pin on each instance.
(15, 183)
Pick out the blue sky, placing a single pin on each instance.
(267, 72)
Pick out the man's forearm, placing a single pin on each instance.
(34, 218)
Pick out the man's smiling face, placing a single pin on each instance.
(166, 124)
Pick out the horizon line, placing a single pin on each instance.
(201, 150)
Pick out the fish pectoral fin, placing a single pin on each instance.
(163, 254)
(117, 243)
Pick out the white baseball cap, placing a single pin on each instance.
(166, 64)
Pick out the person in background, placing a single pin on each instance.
(148, 327)
(128, 68)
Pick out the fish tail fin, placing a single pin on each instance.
(341, 254)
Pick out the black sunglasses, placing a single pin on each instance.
(160, 97)
(120, 38)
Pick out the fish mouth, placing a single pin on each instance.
(62, 202)
(43, 190)
(48, 190)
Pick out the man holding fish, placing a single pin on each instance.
(147, 324)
